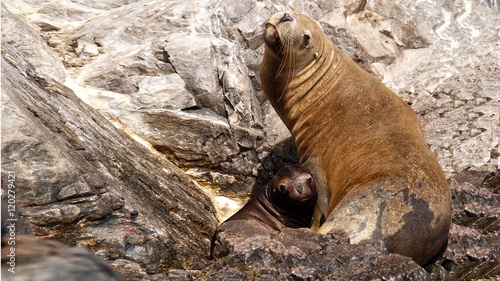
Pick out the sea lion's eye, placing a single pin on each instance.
(305, 39)
(282, 188)
(309, 180)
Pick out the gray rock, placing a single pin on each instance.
(48, 260)
(180, 65)
(81, 180)
(473, 245)
(23, 37)
(300, 254)
(44, 260)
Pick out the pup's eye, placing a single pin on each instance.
(282, 188)
(309, 180)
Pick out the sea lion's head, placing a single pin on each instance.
(293, 189)
(293, 37)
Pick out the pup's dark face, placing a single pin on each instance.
(293, 188)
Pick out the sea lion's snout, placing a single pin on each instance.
(271, 36)
(286, 17)
(278, 32)
(299, 188)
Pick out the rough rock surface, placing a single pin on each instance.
(474, 242)
(248, 250)
(181, 77)
(49, 260)
(80, 180)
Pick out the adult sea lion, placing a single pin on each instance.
(375, 174)
(288, 200)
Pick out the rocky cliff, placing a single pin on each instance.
(132, 127)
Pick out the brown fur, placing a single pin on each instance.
(288, 200)
(375, 174)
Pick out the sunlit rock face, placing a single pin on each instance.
(181, 78)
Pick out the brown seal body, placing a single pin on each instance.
(288, 200)
(375, 174)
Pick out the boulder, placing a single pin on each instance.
(249, 249)
(80, 180)
(49, 260)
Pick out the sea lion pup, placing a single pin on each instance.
(375, 174)
(288, 200)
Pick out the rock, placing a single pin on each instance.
(18, 34)
(234, 234)
(303, 255)
(476, 206)
(82, 181)
(48, 260)
(473, 245)
(186, 63)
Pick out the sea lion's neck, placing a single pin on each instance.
(309, 84)
(312, 83)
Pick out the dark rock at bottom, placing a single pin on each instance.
(31, 258)
(245, 250)
(473, 251)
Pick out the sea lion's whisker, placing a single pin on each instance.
(290, 59)
(286, 58)
(282, 49)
